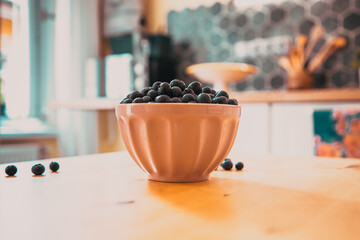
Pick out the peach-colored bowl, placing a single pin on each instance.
(178, 142)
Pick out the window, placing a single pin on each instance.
(14, 53)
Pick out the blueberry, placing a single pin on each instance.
(127, 101)
(176, 92)
(144, 91)
(212, 95)
(153, 94)
(222, 93)
(128, 96)
(196, 87)
(227, 165)
(138, 100)
(176, 100)
(164, 88)
(188, 98)
(213, 92)
(189, 91)
(206, 89)
(38, 169)
(204, 98)
(239, 166)
(178, 83)
(122, 101)
(135, 94)
(219, 100)
(232, 101)
(54, 166)
(11, 170)
(162, 99)
(147, 99)
(156, 85)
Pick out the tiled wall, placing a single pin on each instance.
(209, 34)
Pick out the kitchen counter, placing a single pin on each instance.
(106, 196)
(312, 95)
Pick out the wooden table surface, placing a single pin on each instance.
(106, 196)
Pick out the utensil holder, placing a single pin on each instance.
(299, 79)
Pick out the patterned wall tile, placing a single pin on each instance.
(339, 6)
(340, 78)
(209, 34)
(352, 21)
(330, 23)
(318, 8)
(277, 15)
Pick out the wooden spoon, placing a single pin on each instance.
(316, 34)
(326, 51)
(300, 44)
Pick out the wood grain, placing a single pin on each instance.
(106, 196)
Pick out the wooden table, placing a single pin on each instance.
(106, 196)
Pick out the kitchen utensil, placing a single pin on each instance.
(326, 51)
(316, 33)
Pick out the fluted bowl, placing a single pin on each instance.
(178, 142)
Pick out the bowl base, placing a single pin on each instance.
(178, 179)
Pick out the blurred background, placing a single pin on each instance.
(65, 63)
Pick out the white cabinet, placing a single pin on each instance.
(283, 129)
(292, 131)
(253, 133)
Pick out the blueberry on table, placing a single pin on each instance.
(188, 98)
(206, 89)
(204, 98)
(147, 99)
(196, 87)
(176, 92)
(11, 170)
(178, 83)
(222, 93)
(175, 100)
(135, 94)
(239, 166)
(164, 88)
(138, 100)
(38, 169)
(162, 99)
(156, 85)
(153, 94)
(144, 91)
(127, 101)
(227, 165)
(220, 100)
(54, 166)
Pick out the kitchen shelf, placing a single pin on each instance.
(313, 95)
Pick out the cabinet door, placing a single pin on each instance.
(253, 133)
(292, 129)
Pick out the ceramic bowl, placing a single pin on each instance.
(221, 73)
(178, 142)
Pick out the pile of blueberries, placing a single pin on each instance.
(228, 165)
(177, 92)
(37, 169)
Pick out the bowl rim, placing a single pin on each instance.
(227, 66)
(178, 104)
